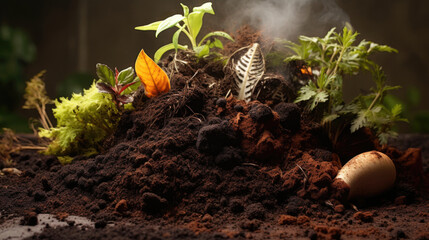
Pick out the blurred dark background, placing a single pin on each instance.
(68, 37)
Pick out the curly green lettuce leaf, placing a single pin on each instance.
(83, 122)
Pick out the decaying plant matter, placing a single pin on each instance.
(36, 98)
(188, 162)
(11, 143)
(248, 70)
(155, 81)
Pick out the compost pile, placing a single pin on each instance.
(194, 164)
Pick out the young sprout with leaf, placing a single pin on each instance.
(190, 24)
(336, 56)
(118, 84)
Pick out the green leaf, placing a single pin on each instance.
(169, 23)
(305, 94)
(176, 37)
(216, 44)
(218, 34)
(132, 88)
(376, 109)
(195, 22)
(384, 137)
(202, 51)
(185, 9)
(396, 110)
(388, 88)
(309, 39)
(164, 49)
(126, 76)
(359, 121)
(205, 8)
(292, 58)
(328, 35)
(105, 74)
(380, 48)
(320, 97)
(330, 118)
(195, 19)
(149, 27)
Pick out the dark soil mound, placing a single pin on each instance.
(190, 163)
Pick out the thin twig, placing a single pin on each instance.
(251, 165)
(329, 203)
(305, 175)
(354, 207)
(195, 74)
(29, 148)
(227, 94)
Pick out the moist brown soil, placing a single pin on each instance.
(191, 164)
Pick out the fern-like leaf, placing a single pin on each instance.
(249, 69)
(359, 122)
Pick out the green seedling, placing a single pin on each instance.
(120, 85)
(190, 24)
(335, 56)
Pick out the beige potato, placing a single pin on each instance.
(368, 174)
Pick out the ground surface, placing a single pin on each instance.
(192, 164)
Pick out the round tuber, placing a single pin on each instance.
(367, 174)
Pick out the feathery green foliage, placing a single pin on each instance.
(336, 55)
(83, 122)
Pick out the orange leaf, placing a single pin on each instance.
(154, 79)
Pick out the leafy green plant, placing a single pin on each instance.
(336, 56)
(190, 24)
(119, 84)
(85, 120)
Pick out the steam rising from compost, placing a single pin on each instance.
(287, 18)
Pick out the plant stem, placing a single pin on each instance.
(45, 115)
(338, 61)
(374, 101)
(42, 117)
(190, 34)
(29, 148)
